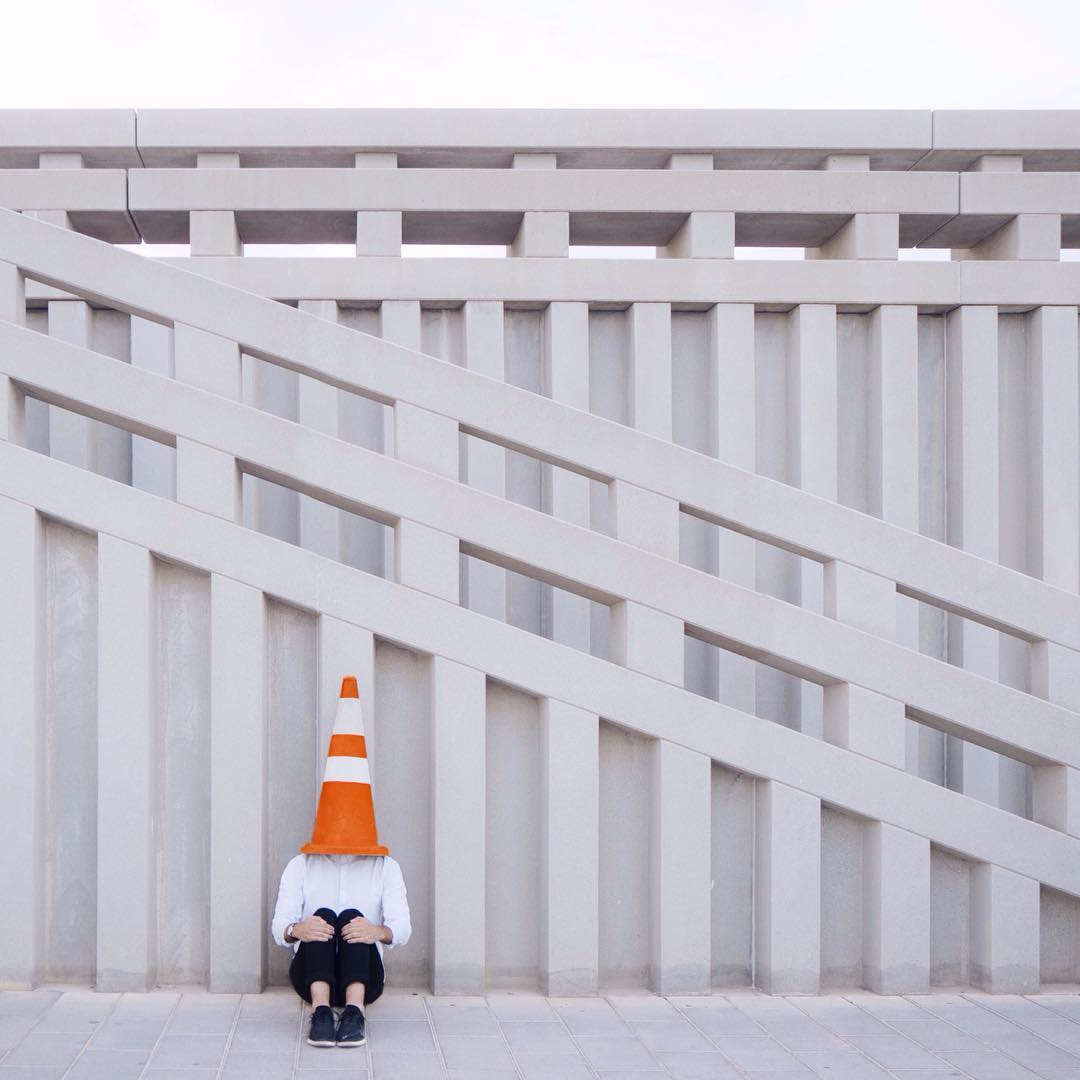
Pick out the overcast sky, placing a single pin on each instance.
(718, 53)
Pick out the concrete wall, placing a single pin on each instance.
(716, 618)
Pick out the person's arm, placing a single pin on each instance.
(395, 906)
(290, 901)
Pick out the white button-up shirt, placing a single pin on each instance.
(370, 883)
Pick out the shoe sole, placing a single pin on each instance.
(353, 1042)
(321, 1042)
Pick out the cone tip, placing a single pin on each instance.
(349, 687)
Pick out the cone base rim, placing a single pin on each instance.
(344, 849)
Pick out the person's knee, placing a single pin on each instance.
(327, 915)
(347, 916)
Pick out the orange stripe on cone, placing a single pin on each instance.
(345, 818)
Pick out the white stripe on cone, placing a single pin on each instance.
(349, 717)
(353, 770)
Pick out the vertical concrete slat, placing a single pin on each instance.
(893, 433)
(787, 889)
(214, 232)
(378, 232)
(650, 369)
(681, 859)
(812, 411)
(566, 380)
(485, 464)
(458, 808)
(207, 361)
(973, 514)
(22, 764)
(318, 407)
(238, 754)
(733, 370)
(570, 794)
(71, 436)
(896, 910)
(1054, 446)
(127, 768)
(1004, 931)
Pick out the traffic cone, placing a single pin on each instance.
(345, 819)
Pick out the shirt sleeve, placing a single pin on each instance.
(395, 904)
(290, 900)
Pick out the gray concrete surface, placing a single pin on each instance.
(53, 1032)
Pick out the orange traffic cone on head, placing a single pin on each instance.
(345, 819)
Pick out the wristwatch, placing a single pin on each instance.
(289, 933)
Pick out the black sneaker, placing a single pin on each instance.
(321, 1032)
(350, 1029)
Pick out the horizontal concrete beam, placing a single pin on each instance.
(479, 205)
(104, 137)
(770, 285)
(504, 414)
(544, 668)
(528, 541)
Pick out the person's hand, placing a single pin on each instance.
(313, 928)
(359, 931)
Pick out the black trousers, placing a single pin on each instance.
(337, 962)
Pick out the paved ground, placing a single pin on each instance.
(413, 1036)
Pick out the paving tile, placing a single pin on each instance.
(265, 1036)
(48, 1048)
(126, 1034)
(936, 1035)
(331, 1057)
(546, 1066)
(508, 1006)
(534, 1036)
(755, 1052)
(1030, 1050)
(398, 1006)
(155, 1004)
(402, 1066)
(188, 1051)
(922, 1074)
(467, 1020)
(801, 1033)
(687, 1065)
(1059, 1031)
(655, 1073)
(987, 1065)
(606, 1052)
(1012, 1006)
(405, 1035)
(717, 1017)
(668, 1035)
(180, 1074)
(472, 1074)
(270, 1005)
(841, 1065)
(977, 1022)
(30, 1072)
(896, 1052)
(250, 1065)
(14, 1027)
(841, 1017)
(1067, 1005)
(888, 1006)
(756, 1004)
(468, 1052)
(591, 1016)
(76, 1013)
(450, 1001)
(642, 1007)
(109, 1065)
(27, 1002)
(197, 1015)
